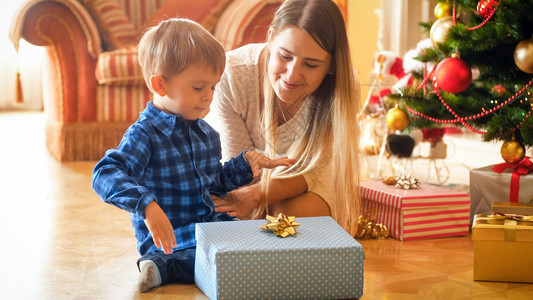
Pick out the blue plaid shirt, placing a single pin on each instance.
(160, 159)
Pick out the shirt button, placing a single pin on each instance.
(183, 132)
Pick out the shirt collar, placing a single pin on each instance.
(167, 123)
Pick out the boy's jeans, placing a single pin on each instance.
(175, 267)
(178, 266)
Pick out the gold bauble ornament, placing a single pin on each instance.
(513, 151)
(439, 30)
(443, 9)
(523, 56)
(397, 119)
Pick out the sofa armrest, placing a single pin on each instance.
(245, 21)
(73, 43)
(78, 11)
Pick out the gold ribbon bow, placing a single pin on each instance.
(407, 182)
(509, 223)
(281, 226)
(369, 228)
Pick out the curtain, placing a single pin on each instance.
(28, 62)
(399, 29)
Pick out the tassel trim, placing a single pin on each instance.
(19, 96)
(83, 141)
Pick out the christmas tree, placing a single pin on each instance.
(478, 74)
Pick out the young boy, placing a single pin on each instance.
(168, 162)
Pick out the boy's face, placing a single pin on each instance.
(190, 92)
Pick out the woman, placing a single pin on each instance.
(295, 95)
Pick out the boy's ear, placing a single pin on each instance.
(158, 85)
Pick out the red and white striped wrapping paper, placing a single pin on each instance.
(428, 212)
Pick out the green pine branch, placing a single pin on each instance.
(490, 49)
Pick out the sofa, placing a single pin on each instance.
(93, 88)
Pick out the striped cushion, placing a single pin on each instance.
(119, 67)
(115, 27)
(233, 28)
(140, 11)
(205, 12)
(120, 103)
(210, 20)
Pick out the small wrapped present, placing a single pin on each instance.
(524, 209)
(496, 183)
(239, 260)
(503, 247)
(426, 212)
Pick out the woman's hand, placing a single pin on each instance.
(239, 203)
(159, 225)
(258, 161)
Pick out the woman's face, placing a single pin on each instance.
(297, 64)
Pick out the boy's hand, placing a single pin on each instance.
(258, 161)
(159, 225)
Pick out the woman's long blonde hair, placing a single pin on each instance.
(330, 132)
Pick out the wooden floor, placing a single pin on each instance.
(60, 241)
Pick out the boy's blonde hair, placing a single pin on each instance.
(175, 44)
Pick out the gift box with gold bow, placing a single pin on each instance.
(498, 183)
(317, 259)
(425, 212)
(503, 247)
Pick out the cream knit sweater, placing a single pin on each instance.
(236, 115)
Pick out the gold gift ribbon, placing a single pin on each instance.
(509, 223)
(407, 182)
(368, 228)
(509, 231)
(281, 226)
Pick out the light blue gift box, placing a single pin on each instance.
(238, 260)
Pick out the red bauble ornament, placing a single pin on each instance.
(499, 90)
(485, 7)
(453, 75)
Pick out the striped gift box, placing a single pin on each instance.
(428, 212)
